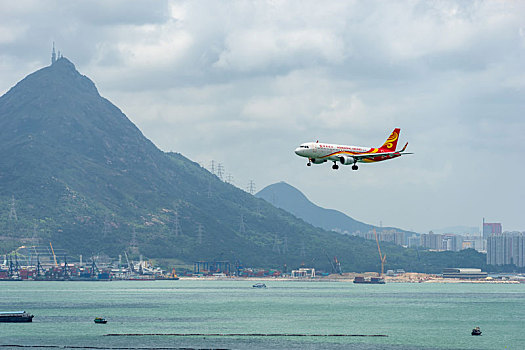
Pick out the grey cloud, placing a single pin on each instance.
(252, 74)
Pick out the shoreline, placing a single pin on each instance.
(349, 278)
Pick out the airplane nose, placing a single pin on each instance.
(298, 151)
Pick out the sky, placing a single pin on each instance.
(243, 83)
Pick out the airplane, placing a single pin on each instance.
(318, 153)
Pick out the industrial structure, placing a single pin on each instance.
(465, 273)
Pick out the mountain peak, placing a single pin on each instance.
(63, 63)
(58, 79)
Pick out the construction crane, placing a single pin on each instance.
(332, 265)
(337, 264)
(130, 266)
(381, 256)
(54, 256)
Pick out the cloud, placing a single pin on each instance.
(244, 82)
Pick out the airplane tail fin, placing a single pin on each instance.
(391, 143)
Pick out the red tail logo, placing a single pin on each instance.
(391, 143)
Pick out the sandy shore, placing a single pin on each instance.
(349, 278)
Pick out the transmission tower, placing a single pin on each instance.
(177, 228)
(133, 245)
(35, 240)
(251, 187)
(212, 167)
(12, 212)
(242, 226)
(303, 250)
(200, 231)
(220, 170)
(209, 188)
(106, 230)
(276, 245)
(229, 179)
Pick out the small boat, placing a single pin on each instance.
(259, 285)
(101, 320)
(476, 331)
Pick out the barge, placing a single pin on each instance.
(373, 280)
(15, 316)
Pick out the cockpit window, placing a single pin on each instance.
(304, 147)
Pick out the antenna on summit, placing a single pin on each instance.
(53, 54)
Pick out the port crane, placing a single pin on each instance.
(334, 264)
(381, 256)
(130, 266)
(54, 256)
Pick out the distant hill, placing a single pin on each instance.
(458, 230)
(289, 198)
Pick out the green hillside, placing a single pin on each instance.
(85, 178)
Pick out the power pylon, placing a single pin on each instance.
(12, 212)
(220, 170)
(209, 188)
(242, 226)
(303, 250)
(106, 229)
(251, 187)
(276, 245)
(177, 228)
(133, 245)
(200, 231)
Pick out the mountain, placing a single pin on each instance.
(289, 198)
(75, 171)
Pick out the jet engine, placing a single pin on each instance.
(346, 160)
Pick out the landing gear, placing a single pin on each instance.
(354, 167)
(309, 164)
(335, 166)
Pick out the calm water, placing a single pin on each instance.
(414, 316)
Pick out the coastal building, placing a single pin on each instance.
(432, 241)
(304, 272)
(506, 249)
(491, 228)
(476, 242)
(467, 273)
(449, 241)
(393, 236)
(414, 241)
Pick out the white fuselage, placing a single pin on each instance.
(322, 152)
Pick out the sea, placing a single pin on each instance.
(231, 314)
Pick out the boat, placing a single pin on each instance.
(373, 280)
(15, 316)
(476, 331)
(259, 285)
(101, 320)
